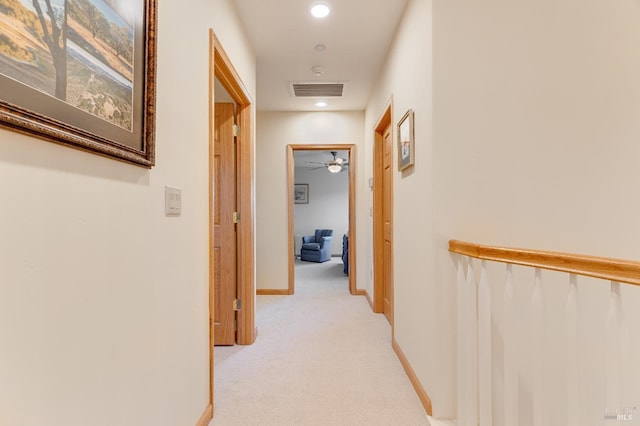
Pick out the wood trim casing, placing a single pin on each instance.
(290, 214)
(618, 270)
(352, 208)
(206, 417)
(272, 292)
(353, 232)
(246, 232)
(422, 393)
(211, 212)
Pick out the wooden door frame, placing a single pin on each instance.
(385, 120)
(352, 208)
(220, 67)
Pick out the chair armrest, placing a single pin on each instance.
(309, 239)
(327, 240)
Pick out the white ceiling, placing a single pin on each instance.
(357, 34)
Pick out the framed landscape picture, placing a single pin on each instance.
(81, 73)
(406, 141)
(301, 193)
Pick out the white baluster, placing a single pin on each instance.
(540, 406)
(472, 333)
(616, 350)
(485, 390)
(467, 348)
(510, 357)
(462, 374)
(573, 356)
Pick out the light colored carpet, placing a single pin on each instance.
(322, 357)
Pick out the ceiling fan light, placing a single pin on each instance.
(334, 168)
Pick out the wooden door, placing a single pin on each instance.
(387, 219)
(224, 228)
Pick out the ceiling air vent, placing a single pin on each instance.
(317, 89)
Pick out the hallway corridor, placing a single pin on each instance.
(322, 358)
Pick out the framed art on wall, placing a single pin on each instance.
(81, 73)
(406, 141)
(301, 193)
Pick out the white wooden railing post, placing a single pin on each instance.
(540, 406)
(510, 356)
(617, 348)
(460, 331)
(485, 389)
(572, 353)
(467, 358)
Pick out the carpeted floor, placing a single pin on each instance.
(322, 357)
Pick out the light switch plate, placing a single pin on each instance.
(172, 201)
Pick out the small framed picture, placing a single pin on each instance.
(301, 193)
(406, 141)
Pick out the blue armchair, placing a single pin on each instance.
(317, 247)
(345, 253)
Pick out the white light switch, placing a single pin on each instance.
(172, 201)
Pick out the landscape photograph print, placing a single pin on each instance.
(87, 56)
(79, 51)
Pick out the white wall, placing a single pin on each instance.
(104, 299)
(526, 135)
(423, 308)
(328, 206)
(536, 132)
(274, 131)
(550, 130)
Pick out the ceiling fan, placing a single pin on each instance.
(336, 165)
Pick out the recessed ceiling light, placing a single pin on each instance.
(321, 104)
(320, 48)
(320, 10)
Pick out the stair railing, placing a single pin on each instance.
(527, 357)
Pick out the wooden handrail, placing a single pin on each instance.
(618, 270)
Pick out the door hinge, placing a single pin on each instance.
(236, 217)
(237, 305)
(236, 130)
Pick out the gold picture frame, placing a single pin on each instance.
(82, 73)
(301, 193)
(406, 143)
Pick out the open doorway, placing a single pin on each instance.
(222, 74)
(321, 215)
(344, 153)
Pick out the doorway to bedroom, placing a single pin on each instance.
(321, 183)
